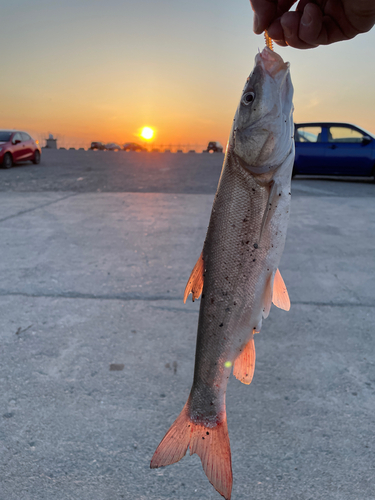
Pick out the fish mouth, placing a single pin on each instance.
(271, 62)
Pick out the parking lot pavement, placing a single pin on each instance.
(97, 348)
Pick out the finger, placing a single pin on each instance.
(290, 22)
(285, 5)
(281, 43)
(275, 30)
(311, 24)
(265, 11)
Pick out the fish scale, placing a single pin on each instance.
(237, 271)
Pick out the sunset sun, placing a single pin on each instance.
(147, 133)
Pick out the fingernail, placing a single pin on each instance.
(255, 23)
(306, 18)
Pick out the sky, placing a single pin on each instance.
(95, 70)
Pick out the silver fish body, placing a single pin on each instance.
(238, 265)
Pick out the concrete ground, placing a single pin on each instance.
(97, 347)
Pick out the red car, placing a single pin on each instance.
(17, 146)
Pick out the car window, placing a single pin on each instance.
(25, 137)
(17, 137)
(344, 134)
(5, 136)
(308, 134)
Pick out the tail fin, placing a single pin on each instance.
(211, 444)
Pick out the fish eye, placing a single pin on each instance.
(248, 98)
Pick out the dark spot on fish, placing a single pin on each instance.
(221, 324)
(253, 189)
(207, 433)
(226, 277)
(255, 245)
(212, 301)
(234, 303)
(247, 242)
(254, 260)
(290, 194)
(245, 220)
(279, 194)
(202, 437)
(227, 309)
(233, 225)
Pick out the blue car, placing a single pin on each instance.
(333, 149)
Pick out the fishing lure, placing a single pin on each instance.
(269, 42)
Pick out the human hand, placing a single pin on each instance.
(318, 22)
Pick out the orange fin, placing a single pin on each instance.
(280, 295)
(244, 365)
(195, 282)
(211, 444)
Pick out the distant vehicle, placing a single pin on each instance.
(18, 146)
(333, 148)
(97, 145)
(112, 146)
(132, 146)
(215, 147)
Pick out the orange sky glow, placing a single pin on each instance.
(85, 73)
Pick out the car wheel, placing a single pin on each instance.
(36, 159)
(7, 160)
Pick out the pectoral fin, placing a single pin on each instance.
(267, 300)
(195, 282)
(280, 295)
(244, 365)
(276, 293)
(270, 207)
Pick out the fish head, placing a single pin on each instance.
(262, 132)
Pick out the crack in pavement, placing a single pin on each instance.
(157, 298)
(37, 207)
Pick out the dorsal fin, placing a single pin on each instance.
(195, 282)
(280, 295)
(244, 365)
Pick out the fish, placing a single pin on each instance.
(237, 273)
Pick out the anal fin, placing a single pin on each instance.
(280, 295)
(244, 365)
(195, 282)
